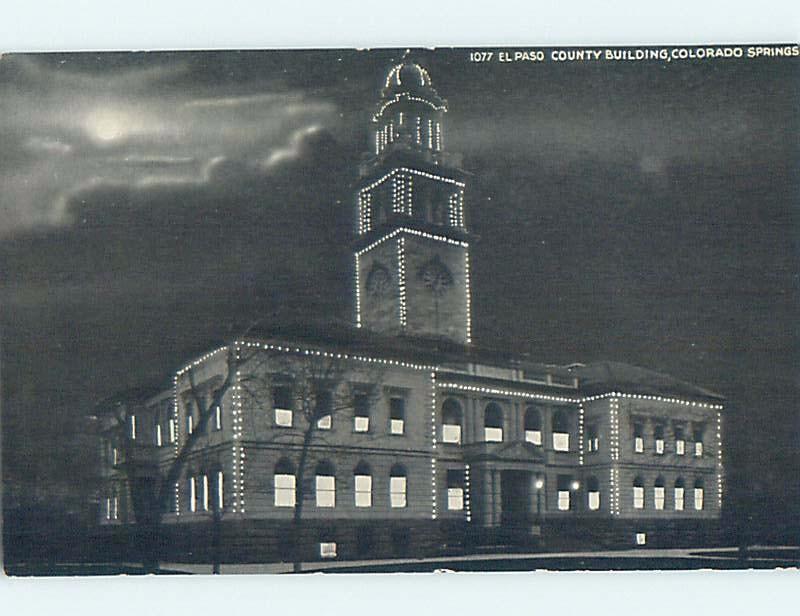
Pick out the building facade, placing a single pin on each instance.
(400, 435)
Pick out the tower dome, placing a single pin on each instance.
(408, 75)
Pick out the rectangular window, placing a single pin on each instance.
(638, 497)
(159, 441)
(220, 491)
(451, 433)
(660, 446)
(324, 423)
(218, 417)
(592, 439)
(533, 436)
(594, 500)
(397, 492)
(680, 447)
(326, 490)
(284, 490)
(455, 490)
(698, 449)
(114, 456)
(641, 538)
(132, 422)
(638, 444)
(698, 499)
(658, 497)
(493, 435)
(108, 508)
(115, 507)
(205, 492)
(361, 412)
(397, 415)
(363, 490)
(282, 404)
(189, 424)
(172, 430)
(327, 549)
(678, 499)
(324, 409)
(561, 441)
(192, 494)
(563, 500)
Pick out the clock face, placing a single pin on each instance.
(435, 276)
(379, 280)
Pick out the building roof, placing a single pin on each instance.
(605, 376)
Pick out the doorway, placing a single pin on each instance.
(515, 489)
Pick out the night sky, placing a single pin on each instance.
(634, 211)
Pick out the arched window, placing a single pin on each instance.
(680, 489)
(698, 494)
(593, 492)
(397, 486)
(325, 484)
(493, 423)
(455, 490)
(560, 431)
(284, 484)
(451, 421)
(638, 493)
(362, 480)
(533, 425)
(659, 495)
(658, 437)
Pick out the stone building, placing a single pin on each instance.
(399, 435)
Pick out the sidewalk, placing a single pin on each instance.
(321, 566)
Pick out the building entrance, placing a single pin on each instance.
(515, 487)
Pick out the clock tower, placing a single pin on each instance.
(412, 250)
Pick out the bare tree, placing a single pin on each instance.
(322, 386)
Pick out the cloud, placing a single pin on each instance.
(293, 150)
(81, 125)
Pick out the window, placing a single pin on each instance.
(680, 441)
(659, 494)
(564, 482)
(397, 486)
(361, 412)
(560, 431)
(114, 455)
(658, 435)
(638, 438)
(220, 491)
(593, 491)
(159, 438)
(698, 441)
(324, 410)
(204, 492)
(641, 538)
(112, 505)
(451, 421)
(189, 418)
(397, 415)
(592, 439)
(698, 495)
(325, 485)
(638, 493)
(327, 549)
(493, 423)
(363, 485)
(172, 430)
(455, 490)
(284, 484)
(218, 417)
(282, 404)
(132, 426)
(679, 494)
(192, 494)
(533, 426)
